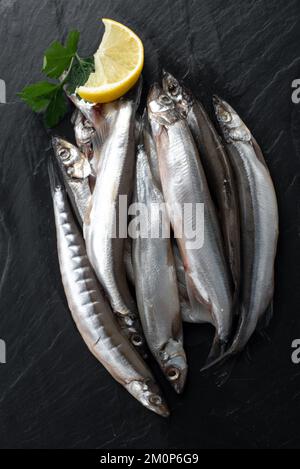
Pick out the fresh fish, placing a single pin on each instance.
(155, 280)
(194, 314)
(216, 166)
(183, 181)
(105, 245)
(76, 170)
(91, 311)
(79, 188)
(259, 221)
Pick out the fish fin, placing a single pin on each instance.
(217, 362)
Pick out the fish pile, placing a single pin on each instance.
(129, 295)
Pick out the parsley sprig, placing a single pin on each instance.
(61, 63)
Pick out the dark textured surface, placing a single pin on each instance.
(53, 393)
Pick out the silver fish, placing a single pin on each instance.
(217, 168)
(155, 281)
(76, 170)
(105, 245)
(197, 313)
(259, 220)
(184, 182)
(91, 311)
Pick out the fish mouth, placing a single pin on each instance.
(216, 100)
(55, 142)
(221, 105)
(223, 111)
(170, 84)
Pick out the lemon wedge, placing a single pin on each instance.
(118, 64)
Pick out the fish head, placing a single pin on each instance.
(173, 362)
(232, 126)
(70, 159)
(147, 393)
(178, 93)
(161, 108)
(84, 130)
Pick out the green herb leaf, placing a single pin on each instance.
(39, 95)
(79, 73)
(58, 58)
(72, 41)
(56, 109)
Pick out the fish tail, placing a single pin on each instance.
(218, 360)
(265, 320)
(217, 350)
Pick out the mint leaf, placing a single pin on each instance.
(79, 73)
(56, 109)
(58, 58)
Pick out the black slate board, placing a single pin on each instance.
(53, 393)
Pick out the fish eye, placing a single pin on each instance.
(172, 87)
(173, 373)
(165, 100)
(89, 127)
(226, 116)
(155, 399)
(64, 154)
(137, 340)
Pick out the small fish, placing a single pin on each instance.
(156, 282)
(91, 311)
(76, 170)
(259, 221)
(184, 182)
(217, 168)
(105, 245)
